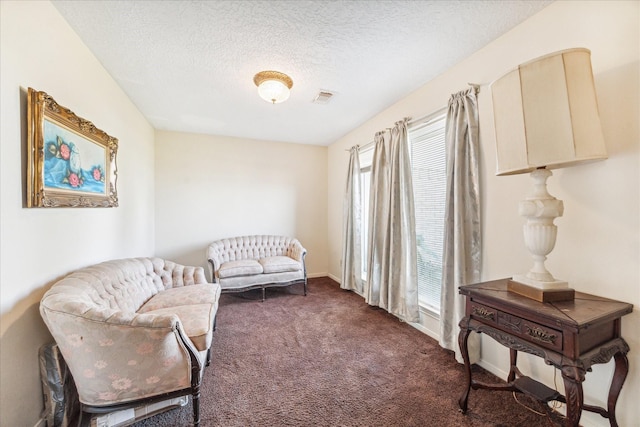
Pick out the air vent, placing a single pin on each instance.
(322, 97)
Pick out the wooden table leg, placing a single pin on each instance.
(513, 354)
(573, 377)
(463, 337)
(619, 375)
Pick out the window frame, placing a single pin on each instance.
(366, 154)
(436, 118)
(365, 171)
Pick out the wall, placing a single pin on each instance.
(212, 187)
(598, 246)
(39, 50)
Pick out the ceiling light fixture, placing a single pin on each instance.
(273, 86)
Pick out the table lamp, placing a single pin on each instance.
(546, 117)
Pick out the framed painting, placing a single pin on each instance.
(70, 162)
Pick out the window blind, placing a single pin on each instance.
(366, 159)
(428, 163)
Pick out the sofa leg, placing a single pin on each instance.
(82, 421)
(305, 288)
(263, 294)
(195, 397)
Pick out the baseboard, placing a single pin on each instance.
(424, 330)
(41, 423)
(332, 277)
(498, 372)
(315, 275)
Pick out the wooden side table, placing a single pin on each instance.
(570, 335)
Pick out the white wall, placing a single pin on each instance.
(598, 247)
(38, 49)
(212, 187)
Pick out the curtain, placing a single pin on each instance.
(392, 282)
(352, 226)
(462, 237)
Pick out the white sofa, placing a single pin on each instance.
(133, 331)
(257, 262)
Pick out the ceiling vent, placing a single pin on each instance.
(323, 97)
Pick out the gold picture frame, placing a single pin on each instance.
(70, 162)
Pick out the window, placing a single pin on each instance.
(428, 167)
(366, 158)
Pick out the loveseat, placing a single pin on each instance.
(257, 262)
(133, 331)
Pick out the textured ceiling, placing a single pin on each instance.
(189, 65)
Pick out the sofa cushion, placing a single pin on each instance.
(184, 295)
(242, 267)
(279, 264)
(197, 321)
(271, 279)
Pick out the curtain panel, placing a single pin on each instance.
(462, 234)
(352, 226)
(392, 282)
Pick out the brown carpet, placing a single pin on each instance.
(329, 359)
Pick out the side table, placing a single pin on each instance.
(570, 335)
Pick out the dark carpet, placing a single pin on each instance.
(329, 359)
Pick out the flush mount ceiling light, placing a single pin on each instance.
(273, 86)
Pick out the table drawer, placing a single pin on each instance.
(483, 313)
(531, 331)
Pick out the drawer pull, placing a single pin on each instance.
(541, 335)
(483, 312)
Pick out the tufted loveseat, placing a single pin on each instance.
(257, 262)
(133, 331)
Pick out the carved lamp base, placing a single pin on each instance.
(540, 209)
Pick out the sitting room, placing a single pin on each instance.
(204, 152)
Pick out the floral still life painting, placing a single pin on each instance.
(71, 163)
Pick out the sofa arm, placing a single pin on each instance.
(296, 251)
(214, 260)
(124, 357)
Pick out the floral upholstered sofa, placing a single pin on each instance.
(260, 261)
(133, 331)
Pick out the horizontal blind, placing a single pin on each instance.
(366, 159)
(429, 185)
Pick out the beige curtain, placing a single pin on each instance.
(462, 237)
(392, 281)
(352, 226)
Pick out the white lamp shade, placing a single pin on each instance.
(546, 114)
(273, 91)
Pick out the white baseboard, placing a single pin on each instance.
(424, 330)
(314, 275)
(498, 372)
(331, 276)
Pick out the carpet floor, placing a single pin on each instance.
(329, 359)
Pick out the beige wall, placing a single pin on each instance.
(39, 50)
(598, 247)
(212, 187)
(208, 187)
